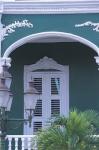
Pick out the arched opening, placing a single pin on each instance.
(83, 74)
(45, 36)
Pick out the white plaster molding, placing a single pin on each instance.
(46, 63)
(95, 26)
(51, 7)
(6, 30)
(32, 37)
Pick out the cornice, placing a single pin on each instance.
(59, 7)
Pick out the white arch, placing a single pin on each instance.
(49, 34)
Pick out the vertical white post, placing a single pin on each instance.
(16, 143)
(29, 143)
(9, 143)
(35, 144)
(22, 139)
(26, 142)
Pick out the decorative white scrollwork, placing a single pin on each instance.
(95, 26)
(6, 30)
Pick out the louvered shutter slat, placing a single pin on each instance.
(55, 107)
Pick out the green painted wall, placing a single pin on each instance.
(43, 23)
(83, 73)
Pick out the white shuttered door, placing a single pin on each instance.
(51, 80)
(52, 98)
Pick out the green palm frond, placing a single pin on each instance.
(71, 133)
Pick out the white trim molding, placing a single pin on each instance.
(36, 36)
(45, 63)
(49, 7)
(94, 26)
(6, 30)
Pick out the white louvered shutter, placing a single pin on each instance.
(52, 86)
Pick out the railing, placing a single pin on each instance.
(21, 142)
(28, 142)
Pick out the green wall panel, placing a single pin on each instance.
(17, 111)
(43, 23)
(83, 73)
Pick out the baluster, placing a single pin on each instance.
(26, 142)
(35, 144)
(29, 143)
(16, 143)
(9, 143)
(22, 139)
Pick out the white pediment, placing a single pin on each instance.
(46, 63)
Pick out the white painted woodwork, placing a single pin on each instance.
(29, 143)
(9, 143)
(26, 141)
(43, 35)
(23, 145)
(16, 143)
(49, 6)
(26, 138)
(50, 72)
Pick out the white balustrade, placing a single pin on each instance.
(21, 142)
(9, 144)
(27, 142)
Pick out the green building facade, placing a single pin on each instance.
(58, 33)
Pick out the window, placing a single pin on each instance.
(51, 81)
